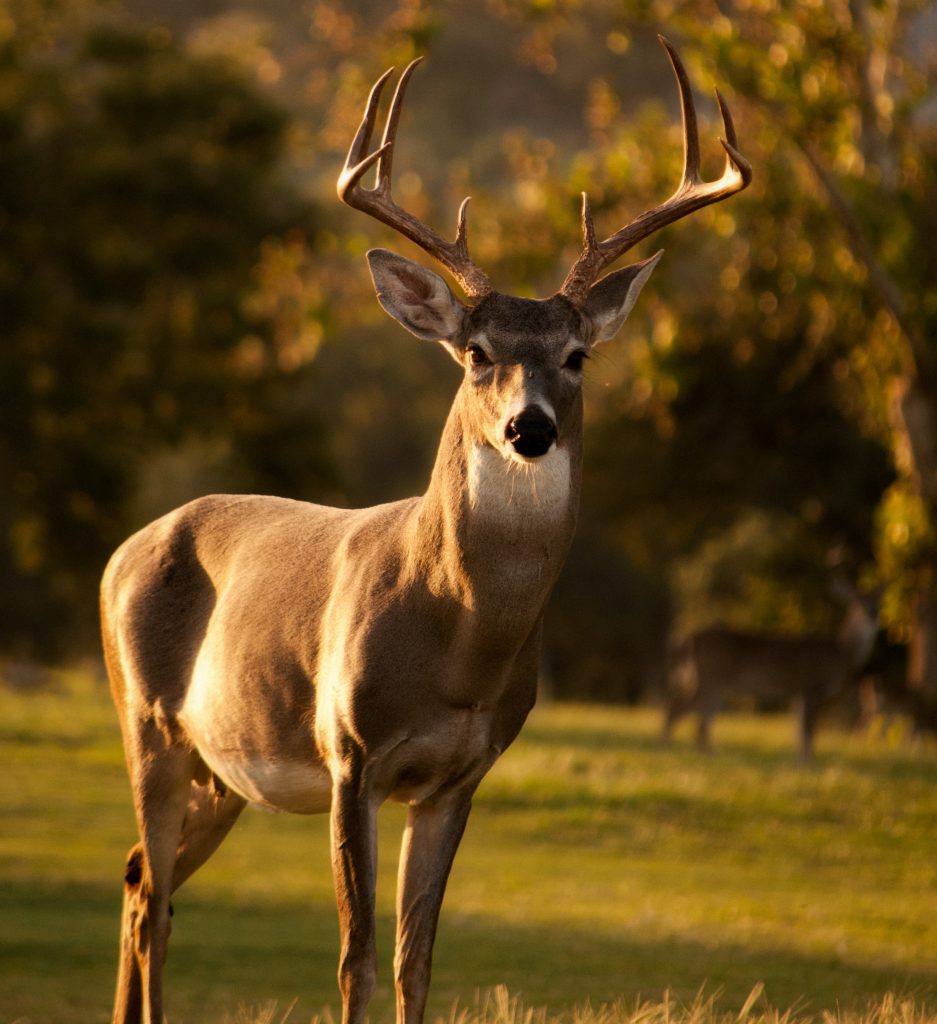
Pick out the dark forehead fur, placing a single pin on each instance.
(507, 314)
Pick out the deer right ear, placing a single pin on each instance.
(415, 297)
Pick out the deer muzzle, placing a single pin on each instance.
(531, 433)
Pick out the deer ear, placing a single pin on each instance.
(610, 299)
(415, 297)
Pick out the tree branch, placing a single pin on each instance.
(884, 284)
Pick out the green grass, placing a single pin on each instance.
(598, 866)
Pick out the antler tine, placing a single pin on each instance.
(691, 151)
(730, 145)
(691, 194)
(727, 121)
(379, 203)
(357, 163)
(588, 227)
(461, 237)
(735, 162)
(386, 162)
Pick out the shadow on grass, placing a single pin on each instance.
(58, 954)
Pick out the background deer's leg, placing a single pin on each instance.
(808, 712)
(354, 866)
(706, 711)
(430, 840)
(677, 705)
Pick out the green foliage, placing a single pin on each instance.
(166, 337)
(821, 286)
(137, 183)
(905, 542)
(757, 574)
(762, 386)
(605, 621)
(598, 866)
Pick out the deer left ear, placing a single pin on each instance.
(610, 300)
(415, 297)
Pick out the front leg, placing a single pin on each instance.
(430, 840)
(354, 866)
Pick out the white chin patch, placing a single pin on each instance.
(505, 485)
(523, 460)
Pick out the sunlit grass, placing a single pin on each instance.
(497, 1006)
(598, 867)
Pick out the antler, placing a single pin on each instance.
(379, 203)
(692, 193)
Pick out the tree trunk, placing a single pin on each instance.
(917, 407)
(917, 419)
(922, 651)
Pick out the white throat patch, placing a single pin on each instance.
(506, 490)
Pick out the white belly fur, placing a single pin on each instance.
(290, 784)
(280, 785)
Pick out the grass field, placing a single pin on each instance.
(598, 867)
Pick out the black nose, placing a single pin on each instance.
(531, 433)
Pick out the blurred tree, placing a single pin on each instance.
(791, 342)
(138, 309)
(605, 622)
(841, 96)
(159, 327)
(741, 388)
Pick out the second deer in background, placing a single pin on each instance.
(710, 668)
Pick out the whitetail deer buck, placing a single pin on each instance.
(317, 659)
(713, 666)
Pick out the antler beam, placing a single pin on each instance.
(379, 203)
(692, 193)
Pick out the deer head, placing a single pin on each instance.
(523, 359)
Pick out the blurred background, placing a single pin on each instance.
(185, 305)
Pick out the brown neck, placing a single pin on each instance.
(493, 534)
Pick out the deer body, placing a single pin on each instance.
(716, 664)
(326, 612)
(338, 658)
(338, 642)
(314, 659)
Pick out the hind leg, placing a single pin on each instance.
(706, 711)
(161, 775)
(672, 714)
(128, 999)
(704, 731)
(807, 714)
(208, 817)
(678, 704)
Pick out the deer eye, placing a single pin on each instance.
(477, 356)
(575, 360)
